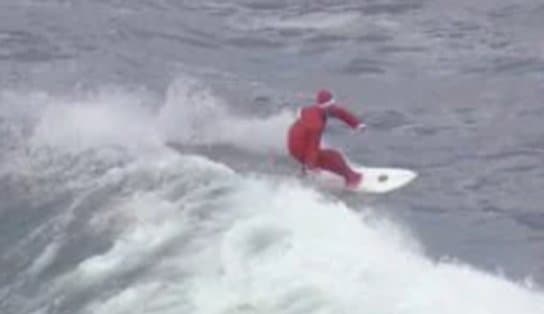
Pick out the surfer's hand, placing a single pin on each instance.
(360, 128)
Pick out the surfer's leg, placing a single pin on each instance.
(296, 143)
(311, 151)
(333, 161)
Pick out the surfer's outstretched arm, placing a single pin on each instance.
(346, 116)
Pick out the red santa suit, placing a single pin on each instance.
(304, 138)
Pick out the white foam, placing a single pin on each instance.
(193, 115)
(315, 21)
(146, 220)
(190, 115)
(286, 249)
(45, 259)
(97, 120)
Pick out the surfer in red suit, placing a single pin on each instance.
(304, 138)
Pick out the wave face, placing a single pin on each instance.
(99, 221)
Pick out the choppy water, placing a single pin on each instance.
(142, 167)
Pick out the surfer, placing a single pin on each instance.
(304, 138)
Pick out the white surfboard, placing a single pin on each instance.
(375, 180)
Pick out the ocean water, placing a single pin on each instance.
(143, 167)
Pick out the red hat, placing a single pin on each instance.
(323, 96)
